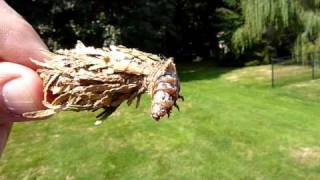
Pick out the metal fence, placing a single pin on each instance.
(291, 69)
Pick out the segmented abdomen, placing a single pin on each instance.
(165, 94)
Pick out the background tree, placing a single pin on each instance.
(228, 32)
(282, 26)
(181, 28)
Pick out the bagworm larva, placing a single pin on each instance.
(88, 78)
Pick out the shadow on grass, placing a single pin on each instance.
(205, 70)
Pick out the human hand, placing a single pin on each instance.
(21, 87)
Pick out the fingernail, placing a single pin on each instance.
(18, 97)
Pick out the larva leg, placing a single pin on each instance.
(107, 112)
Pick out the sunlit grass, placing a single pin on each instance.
(228, 128)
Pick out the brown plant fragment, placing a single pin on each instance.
(88, 79)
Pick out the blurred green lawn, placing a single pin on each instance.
(232, 125)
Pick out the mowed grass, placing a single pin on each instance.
(232, 125)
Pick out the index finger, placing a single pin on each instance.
(19, 41)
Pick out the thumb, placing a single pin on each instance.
(21, 91)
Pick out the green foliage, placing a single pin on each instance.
(262, 16)
(147, 24)
(181, 28)
(229, 19)
(60, 23)
(293, 25)
(230, 32)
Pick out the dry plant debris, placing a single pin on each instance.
(88, 78)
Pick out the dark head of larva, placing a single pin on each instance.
(165, 94)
